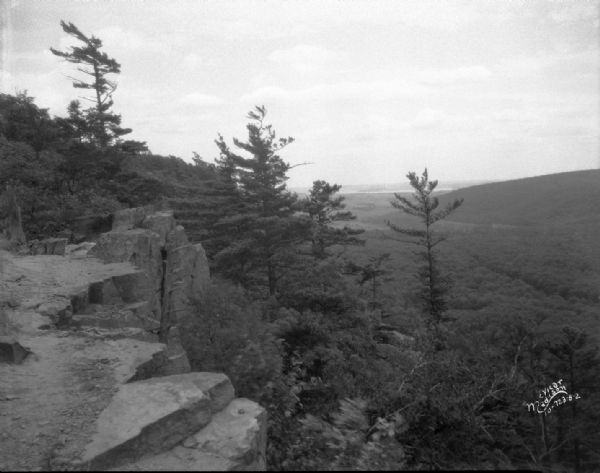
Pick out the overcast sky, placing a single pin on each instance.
(370, 90)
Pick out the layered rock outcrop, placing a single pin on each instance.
(101, 390)
(176, 270)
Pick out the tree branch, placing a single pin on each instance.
(301, 164)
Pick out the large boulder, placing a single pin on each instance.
(235, 440)
(154, 415)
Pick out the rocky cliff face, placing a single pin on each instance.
(97, 388)
(176, 270)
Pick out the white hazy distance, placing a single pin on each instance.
(370, 90)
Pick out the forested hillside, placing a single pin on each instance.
(555, 199)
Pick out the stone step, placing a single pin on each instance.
(154, 415)
(116, 334)
(235, 439)
(117, 316)
(80, 299)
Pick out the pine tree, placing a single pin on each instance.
(324, 210)
(434, 284)
(374, 272)
(259, 225)
(103, 126)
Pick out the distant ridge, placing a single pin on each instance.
(393, 187)
(553, 199)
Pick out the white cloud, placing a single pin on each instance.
(303, 57)
(115, 38)
(6, 81)
(197, 98)
(519, 116)
(572, 11)
(446, 16)
(50, 90)
(41, 59)
(451, 76)
(192, 61)
(338, 92)
(550, 65)
(429, 118)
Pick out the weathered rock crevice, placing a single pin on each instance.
(164, 327)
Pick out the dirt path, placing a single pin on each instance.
(49, 404)
(46, 403)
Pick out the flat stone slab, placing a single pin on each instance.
(154, 415)
(234, 440)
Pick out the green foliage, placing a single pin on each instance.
(59, 176)
(230, 335)
(24, 122)
(317, 286)
(509, 313)
(323, 210)
(350, 442)
(374, 273)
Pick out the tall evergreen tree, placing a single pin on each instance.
(260, 223)
(103, 125)
(425, 207)
(324, 210)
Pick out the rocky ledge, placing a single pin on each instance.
(98, 378)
